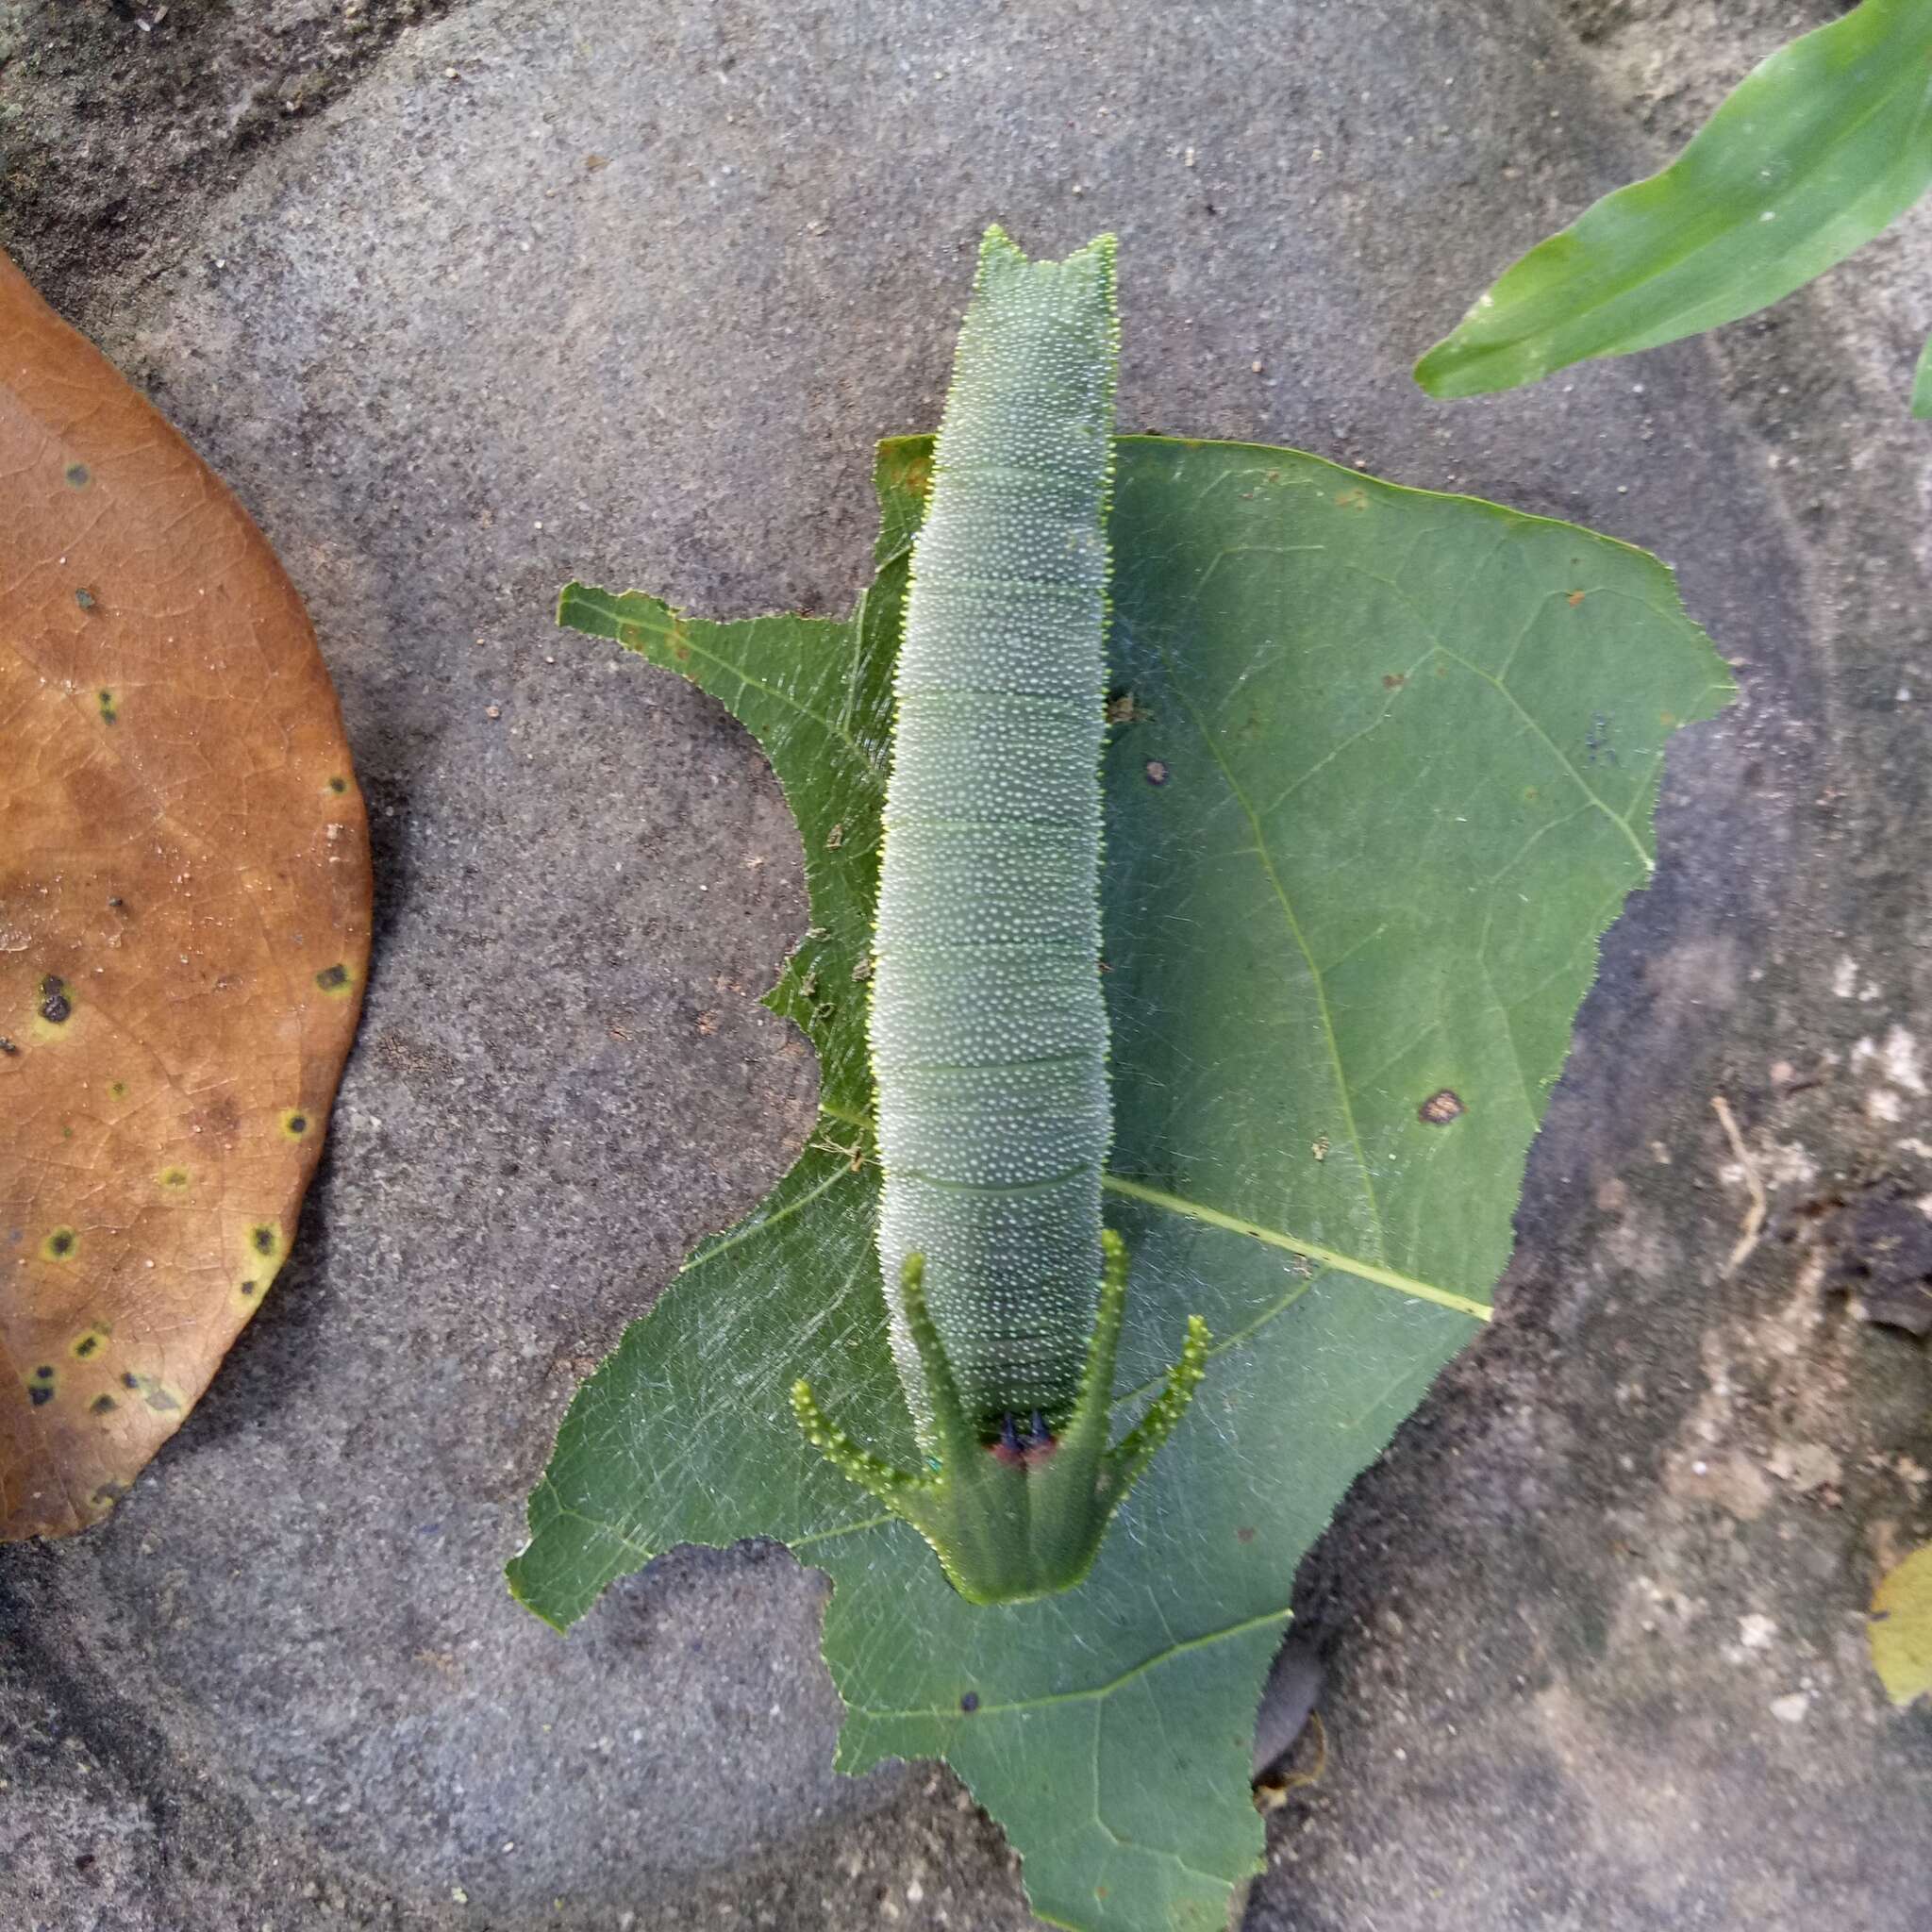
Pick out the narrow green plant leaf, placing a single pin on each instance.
(1922, 385)
(1819, 149)
(1381, 771)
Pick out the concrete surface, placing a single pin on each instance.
(628, 293)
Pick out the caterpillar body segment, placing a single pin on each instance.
(987, 1027)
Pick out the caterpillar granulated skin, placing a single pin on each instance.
(988, 1025)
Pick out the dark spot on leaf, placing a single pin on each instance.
(40, 1394)
(1394, 681)
(103, 1404)
(60, 1244)
(1440, 1108)
(333, 978)
(1246, 1534)
(130, 1380)
(77, 475)
(44, 1373)
(265, 1239)
(298, 1123)
(248, 1288)
(87, 1344)
(55, 1008)
(339, 784)
(118, 1090)
(85, 599)
(7, 1046)
(970, 1703)
(1157, 771)
(173, 1177)
(109, 714)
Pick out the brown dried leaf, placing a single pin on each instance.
(184, 922)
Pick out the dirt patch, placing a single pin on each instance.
(118, 119)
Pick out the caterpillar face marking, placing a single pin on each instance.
(987, 1027)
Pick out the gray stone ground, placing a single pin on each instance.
(516, 290)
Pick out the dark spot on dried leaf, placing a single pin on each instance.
(77, 475)
(85, 599)
(56, 1008)
(110, 715)
(60, 1246)
(103, 1404)
(334, 979)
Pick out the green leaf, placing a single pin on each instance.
(1900, 1632)
(1818, 150)
(1382, 770)
(1922, 385)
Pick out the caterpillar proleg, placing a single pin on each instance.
(988, 1025)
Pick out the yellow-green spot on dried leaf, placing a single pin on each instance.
(1900, 1631)
(339, 785)
(119, 922)
(295, 1122)
(338, 981)
(154, 1392)
(89, 1343)
(265, 1240)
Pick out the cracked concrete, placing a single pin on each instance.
(515, 293)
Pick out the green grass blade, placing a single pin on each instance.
(1922, 385)
(1821, 148)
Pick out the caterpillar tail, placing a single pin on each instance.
(1023, 1515)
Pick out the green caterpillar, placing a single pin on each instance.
(988, 1028)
